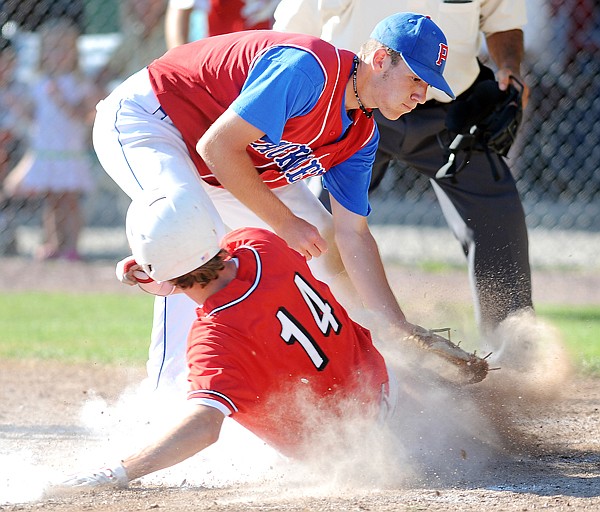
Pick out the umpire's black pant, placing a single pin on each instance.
(482, 208)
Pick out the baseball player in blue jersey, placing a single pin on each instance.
(244, 118)
(481, 202)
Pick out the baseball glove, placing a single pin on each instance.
(448, 360)
(498, 130)
(486, 120)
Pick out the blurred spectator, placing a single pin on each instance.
(28, 15)
(57, 165)
(559, 145)
(143, 30)
(13, 127)
(578, 22)
(8, 137)
(222, 17)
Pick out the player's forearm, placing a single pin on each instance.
(223, 149)
(363, 263)
(177, 26)
(196, 432)
(237, 174)
(506, 49)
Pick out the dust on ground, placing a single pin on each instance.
(556, 466)
(544, 443)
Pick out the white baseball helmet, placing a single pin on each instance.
(170, 232)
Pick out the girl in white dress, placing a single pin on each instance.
(58, 164)
(14, 124)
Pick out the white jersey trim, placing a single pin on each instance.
(250, 290)
(213, 402)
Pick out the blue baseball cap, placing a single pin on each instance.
(421, 43)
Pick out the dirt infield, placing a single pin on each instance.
(505, 447)
(557, 469)
(556, 286)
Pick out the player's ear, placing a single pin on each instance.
(177, 290)
(380, 57)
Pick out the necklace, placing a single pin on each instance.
(368, 113)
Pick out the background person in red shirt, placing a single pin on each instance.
(222, 17)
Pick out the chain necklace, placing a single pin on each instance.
(368, 113)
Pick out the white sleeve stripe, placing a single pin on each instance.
(215, 404)
(192, 396)
(249, 291)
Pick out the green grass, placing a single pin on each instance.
(439, 267)
(116, 328)
(580, 327)
(75, 328)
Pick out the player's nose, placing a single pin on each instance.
(419, 94)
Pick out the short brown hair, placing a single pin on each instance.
(373, 45)
(204, 274)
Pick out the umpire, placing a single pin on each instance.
(478, 194)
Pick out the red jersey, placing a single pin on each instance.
(275, 341)
(225, 16)
(195, 83)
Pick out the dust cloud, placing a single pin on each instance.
(438, 434)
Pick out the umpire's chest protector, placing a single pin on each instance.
(197, 82)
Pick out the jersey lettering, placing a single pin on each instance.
(316, 304)
(322, 313)
(292, 331)
(295, 161)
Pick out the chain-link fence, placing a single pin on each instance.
(555, 158)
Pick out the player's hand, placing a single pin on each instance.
(303, 237)
(407, 328)
(125, 271)
(505, 78)
(129, 272)
(115, 477)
